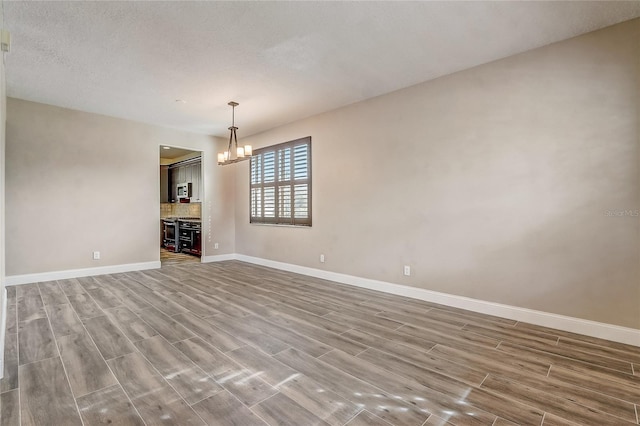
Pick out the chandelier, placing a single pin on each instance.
(234, 153)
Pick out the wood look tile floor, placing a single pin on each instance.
(171, 258)
(237, 344)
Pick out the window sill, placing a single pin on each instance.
(277, 225)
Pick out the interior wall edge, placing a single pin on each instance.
(77, 273)
(616, 333)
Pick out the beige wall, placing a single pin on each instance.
(79, 182)
(3, 115)
(492, 183)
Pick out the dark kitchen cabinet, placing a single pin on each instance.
(190, 237)
(197, 243)
(186, 173)
(164, 184)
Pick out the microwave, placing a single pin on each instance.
(183, 190)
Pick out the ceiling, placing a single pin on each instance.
(282, 61)
(172, 154)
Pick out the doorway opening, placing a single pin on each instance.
(181, 197)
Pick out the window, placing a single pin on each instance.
(281, 184)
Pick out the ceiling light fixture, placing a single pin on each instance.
(240, 153)
(166, 147)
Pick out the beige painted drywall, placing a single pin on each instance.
(492, 183)
(3, 115)
(79, 182)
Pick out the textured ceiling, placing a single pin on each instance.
(281, 61)
(172, 153)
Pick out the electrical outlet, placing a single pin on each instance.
(407, 270)
(322, 258)
(216, 246)
(96, 255)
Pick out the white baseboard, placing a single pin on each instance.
(219, 258)
(76, 273)
(3, 325)
(611, 332)
(615, 333)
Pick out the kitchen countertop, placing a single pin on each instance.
(183, 218)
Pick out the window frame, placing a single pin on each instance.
(277, 183)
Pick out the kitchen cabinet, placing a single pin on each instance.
(184, 173)
(196, 178)
(190, 236)
(164, 184)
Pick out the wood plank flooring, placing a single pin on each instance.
(232, 343)
(171, 258)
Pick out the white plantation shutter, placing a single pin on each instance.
(280, 180)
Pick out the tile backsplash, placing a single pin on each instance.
(180, 209)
